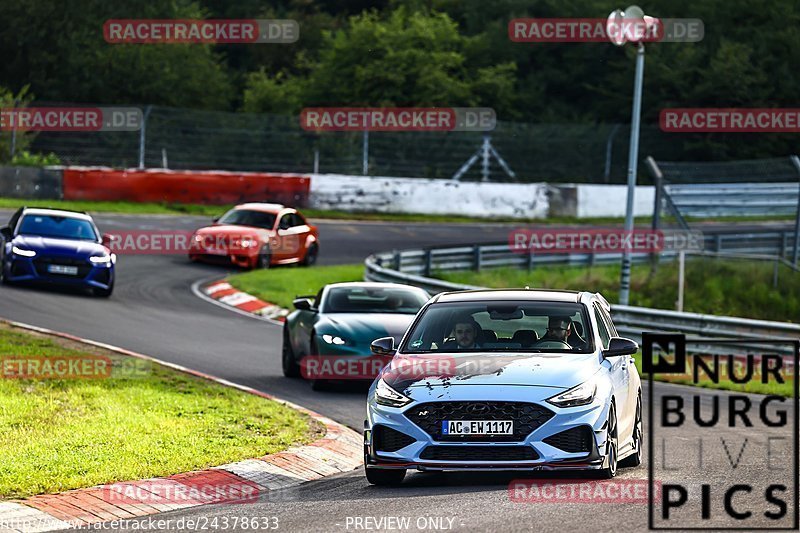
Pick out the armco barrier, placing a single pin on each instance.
(103, 184)
(413, 266)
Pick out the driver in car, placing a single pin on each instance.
(558, 330)
(465, 330)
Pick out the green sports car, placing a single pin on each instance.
(327, 337)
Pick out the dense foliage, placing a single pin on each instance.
(437, 52)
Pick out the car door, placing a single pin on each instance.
(618, 370)
(631, 375)
(288, 235)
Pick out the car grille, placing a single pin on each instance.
(526, 417)
(573, 440)
(473, 453)
(390, 440)
(41, 266)
(103, 276)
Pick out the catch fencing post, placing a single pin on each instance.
(681, 278)
(142, 134)
(365, 154)
(426, 269)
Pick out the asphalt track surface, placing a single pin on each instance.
(153, 311)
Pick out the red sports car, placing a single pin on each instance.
(257, 235)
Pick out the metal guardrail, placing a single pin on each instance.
(414, 267)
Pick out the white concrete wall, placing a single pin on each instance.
(416, 195)
(446, 197)
(610, 200)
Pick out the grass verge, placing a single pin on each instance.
(216, 210)
(281, 285)
(61, 434)
(754, 386)
(714, 286)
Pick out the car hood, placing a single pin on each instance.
(365, 326)
(50, 245)
(230, 229)
(561, 371)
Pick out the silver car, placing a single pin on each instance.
(506, 380)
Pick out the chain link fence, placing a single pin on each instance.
(192, 139)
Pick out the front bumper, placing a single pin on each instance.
(526, 452)
(18, 269)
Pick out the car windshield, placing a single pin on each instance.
(246, 217)
(498, 326)
(61, 227)
(374, 300)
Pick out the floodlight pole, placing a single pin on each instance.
(633, 156)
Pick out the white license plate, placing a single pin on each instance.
(63, 269)
(216, 251)
(477, 427)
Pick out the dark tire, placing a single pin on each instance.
(104, 293)
(385, 477)
(3, 279)
(635, 459)
(319, 384)
(612, 447)
(264, 258)
(290, 367)
(311, 255)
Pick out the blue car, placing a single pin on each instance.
(56, 246)
(506, 380)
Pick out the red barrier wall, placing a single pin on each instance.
(186, 187)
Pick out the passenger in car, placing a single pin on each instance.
(559, 329)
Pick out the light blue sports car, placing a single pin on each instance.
(505, 380)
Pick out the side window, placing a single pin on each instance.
(285, 222)
(611, 328)
(318, 298)
(297, 220)
(12, 224)
(601, 328)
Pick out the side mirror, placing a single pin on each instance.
(303, 304)
(620, 346)
(215, 219)
(106, 240)
(5, 232)
(382, 346)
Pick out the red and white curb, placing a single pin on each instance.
(340, 450)
(223, 293)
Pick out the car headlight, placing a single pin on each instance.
(24, 253)
(334, 339)
(102, 259)
(249, 242)
(582, 394)
(198, 238)
(385, 395)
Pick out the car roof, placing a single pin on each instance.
(56, 213)
(370, 284)
(261, 206)
(480, 295)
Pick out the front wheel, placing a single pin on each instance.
(311, 255)
(264, 258)
(290, 367)
(104, 293)
(635, 459)
(385, 476)
(610, 463)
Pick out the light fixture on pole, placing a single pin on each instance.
(631, 25)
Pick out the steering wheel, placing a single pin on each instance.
(561, 345)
